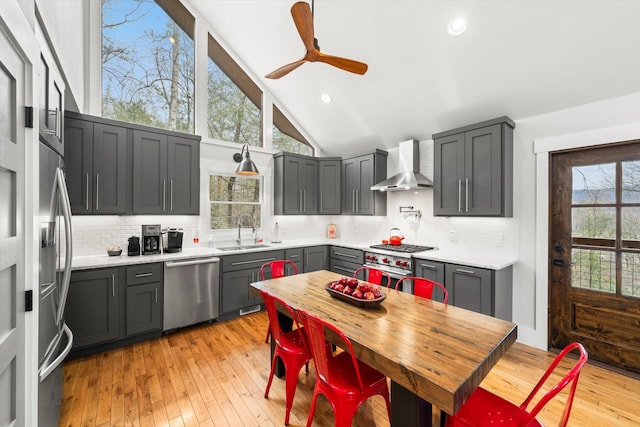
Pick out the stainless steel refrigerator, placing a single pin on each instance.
(55, 337)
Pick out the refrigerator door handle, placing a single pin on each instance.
(47, 369)
(66, 213)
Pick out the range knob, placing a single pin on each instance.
(405, 264)
(385, 260)
(399, 263)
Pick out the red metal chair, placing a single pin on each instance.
(291, 347)
(277, 268)
(373, 275)
(424, 287)
(485, 408)
(345, 381)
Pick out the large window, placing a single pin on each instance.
(148, 63)
(234, 200)
(286, 137)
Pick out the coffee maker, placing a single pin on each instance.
(173, 241)
(151, 239)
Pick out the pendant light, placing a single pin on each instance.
(246, 166)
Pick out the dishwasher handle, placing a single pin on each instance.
(171, 264)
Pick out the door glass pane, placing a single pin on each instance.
(631, 274)
(594, 223)
(592, 269)
(594, 184)
(631, 227)
(631, 182)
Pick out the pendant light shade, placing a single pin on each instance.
(246, 166)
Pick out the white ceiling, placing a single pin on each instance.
(517, 58)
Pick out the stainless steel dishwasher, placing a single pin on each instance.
(191, 292)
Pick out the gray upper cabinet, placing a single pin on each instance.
(95, 166)
(295, 184)
(473, 170)
(165, 174)
(358, 175)
(329, 185)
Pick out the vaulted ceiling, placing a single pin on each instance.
(517, 57)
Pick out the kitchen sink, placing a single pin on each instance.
(240, 247)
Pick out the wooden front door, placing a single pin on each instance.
(594, 252)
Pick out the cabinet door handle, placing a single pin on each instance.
(466, 192)
(321, 193)
(164, 194)
(300, 200)
(304, 200)
(433, 267)
(97, 191)
(171, 194)
(113, 285)
(143, 275)
(353, 200)
(86, 203)
(459, 196)
(357, 201)
(294, 256)
(461, 270)
(156, 295)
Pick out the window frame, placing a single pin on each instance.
(261, 202)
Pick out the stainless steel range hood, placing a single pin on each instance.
(409, 177)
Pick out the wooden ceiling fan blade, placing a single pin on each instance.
(302, 17)
(350, 65)
(285, 69)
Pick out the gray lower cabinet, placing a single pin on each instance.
(165, 173)
(238, 272)
(295, 255)
(329, 185)
(92, 306)
(316, 258)
(345, 261)
(295, 189)
(433, 271)
(473, 170)
(144, 298)
(358, 175)
(96, 166)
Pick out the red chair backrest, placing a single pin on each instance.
(374, 275)
(271, 305)
(315, 331)
(571, 377)
(278, 268)
(424, 287)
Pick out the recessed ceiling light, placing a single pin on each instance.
(326, 98)
(457, 26)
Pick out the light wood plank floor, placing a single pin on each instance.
(215, 375)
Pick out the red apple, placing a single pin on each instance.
(353, 283)
(369, 295)
(347, 290)
(376, 292)
(343, 280)
(357, 294)
(364, 288)
(339, 287)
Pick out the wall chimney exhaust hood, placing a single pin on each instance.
(409, 177)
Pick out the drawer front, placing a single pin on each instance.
(347, 254)
(145, 273)
(249, 261)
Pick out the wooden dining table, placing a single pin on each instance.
(433, 353)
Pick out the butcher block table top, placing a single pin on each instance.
(439, 352)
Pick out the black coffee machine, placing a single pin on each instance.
(134, 246)
(151, 239)
(173, 241)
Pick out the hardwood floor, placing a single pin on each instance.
(215, 375)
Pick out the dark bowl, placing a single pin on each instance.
(366, 303)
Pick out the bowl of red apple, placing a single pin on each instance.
(354, 291)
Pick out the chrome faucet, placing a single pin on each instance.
(253, 226)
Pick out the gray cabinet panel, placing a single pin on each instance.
(295, 184)
(295, 255)
(329, 186)
(79, 165)
(358, 175)
(145, 273)
(149, 172)
(316, 258)
(470, 288)
(249, 260)
(144, 308)
(433, 271)
(92, 306)
(345, 260)
(236, 293)
(473, 170)
(183, 176)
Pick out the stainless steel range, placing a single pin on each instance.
(394, 260)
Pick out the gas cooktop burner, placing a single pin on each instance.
(402, 248)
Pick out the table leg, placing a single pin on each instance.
(286, 324)
(407, 409)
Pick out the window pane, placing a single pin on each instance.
(234, 189)
(631, 227)
(631, 274)
(231, 115)
(147, 66)
(593, 269)
(225, 216)
(592, 222)
(594, 184)
(631, 182)
(283, 142)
